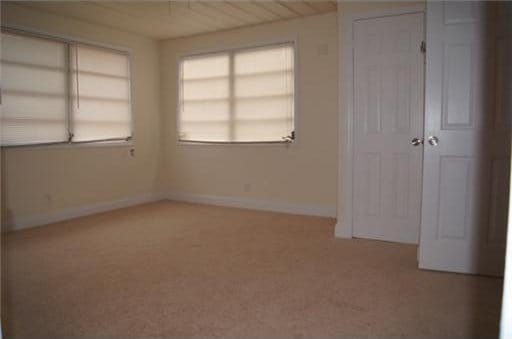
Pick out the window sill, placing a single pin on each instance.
(97, 144)
(231, 144)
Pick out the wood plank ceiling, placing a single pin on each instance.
(174, 19)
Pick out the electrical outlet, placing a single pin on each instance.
(49, 199)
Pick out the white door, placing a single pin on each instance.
(388, 113)
(468, 105)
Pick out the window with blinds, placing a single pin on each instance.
(34, 93)
(239, 96)
(101, 94)
(57, 91)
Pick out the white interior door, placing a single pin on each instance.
(468, 105)
(388, 113)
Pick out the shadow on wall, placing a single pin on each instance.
(493, 170)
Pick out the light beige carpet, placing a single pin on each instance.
(178, 270)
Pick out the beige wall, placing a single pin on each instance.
(43, 180)
(302, 173)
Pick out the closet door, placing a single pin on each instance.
(467, 137)
(388, 114)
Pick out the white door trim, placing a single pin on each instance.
(344, 225)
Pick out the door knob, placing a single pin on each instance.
(417, 141)
(433, 140)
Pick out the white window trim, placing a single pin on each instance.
(129, 142)
(231, 51)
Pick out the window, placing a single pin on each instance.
(34, 94)
(101, 99)
(57, 91)
(238, 96)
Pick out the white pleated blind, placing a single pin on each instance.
(240, 96)
(101, 94)
(34, 94)
(59, 91)
(205, 112)
(263, 96)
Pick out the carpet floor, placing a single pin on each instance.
(172, 269)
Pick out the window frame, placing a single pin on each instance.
(70, 42)
(231, 51)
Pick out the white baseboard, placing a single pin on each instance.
(342, 231)
(19, 223)
(263, 205)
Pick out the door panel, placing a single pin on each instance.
(401, 178)
(455, 174)
(457, 110)
(465, 177)
(388, 106)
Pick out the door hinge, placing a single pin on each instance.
(423, 47)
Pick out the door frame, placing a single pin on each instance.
(344, 225)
